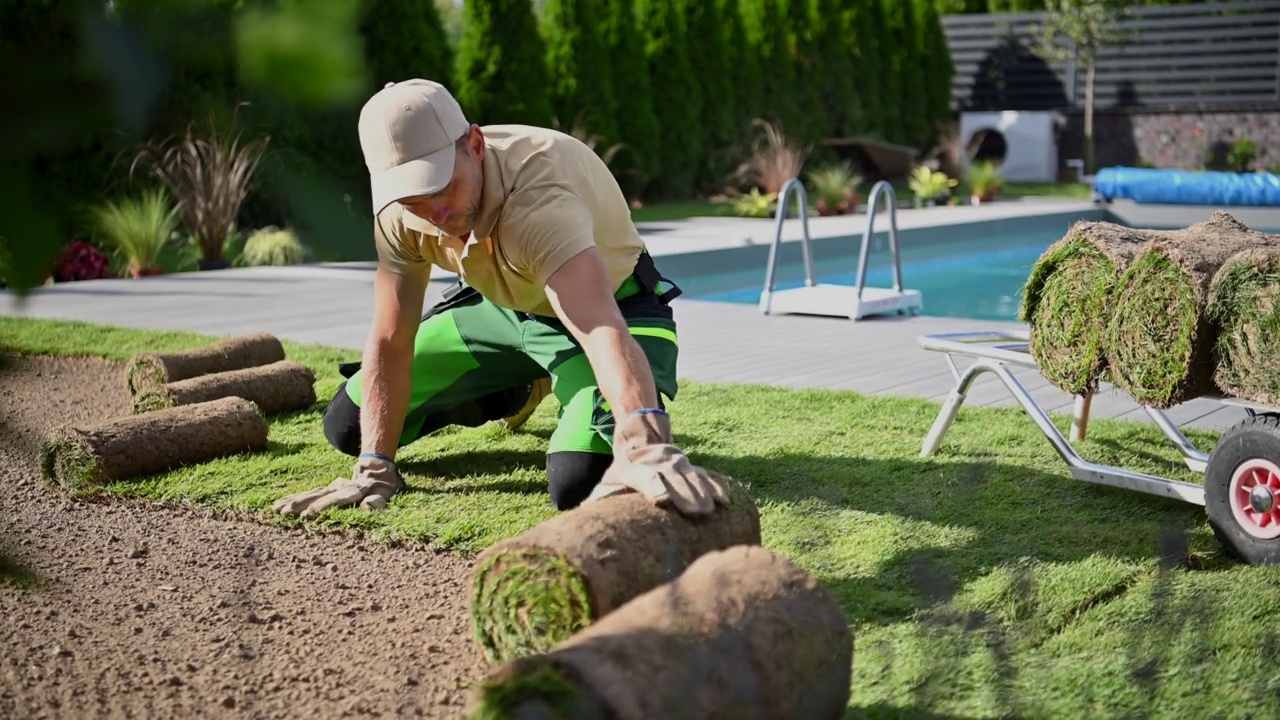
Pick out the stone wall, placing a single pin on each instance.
(1185, 139)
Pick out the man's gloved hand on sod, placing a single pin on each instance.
(646, 461)
(373, 481)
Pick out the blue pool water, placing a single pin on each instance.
(968, 278)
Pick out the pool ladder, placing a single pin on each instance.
(854, 302)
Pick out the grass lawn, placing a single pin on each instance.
(1060, 190)
(982, 582)
(705, 208)
(679, 210)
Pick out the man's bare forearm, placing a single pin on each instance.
(384, 396)
(621, 369)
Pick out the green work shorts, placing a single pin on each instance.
(467, 349)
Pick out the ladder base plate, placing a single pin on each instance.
(840, 301)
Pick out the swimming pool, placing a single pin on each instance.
(973, 270)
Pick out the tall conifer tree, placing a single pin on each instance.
(677, 97)
(637, 122)
(581, 70)
(502, 67)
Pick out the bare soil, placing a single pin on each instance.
(140, 611)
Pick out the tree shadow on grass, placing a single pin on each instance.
(919, 510)
(919, 531)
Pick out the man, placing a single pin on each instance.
(556, 295)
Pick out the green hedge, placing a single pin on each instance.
(668, 87)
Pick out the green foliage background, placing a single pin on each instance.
(668, 88)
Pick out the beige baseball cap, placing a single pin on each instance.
(407, 132)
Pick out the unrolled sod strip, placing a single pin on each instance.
(283, 386)
(743, 633)
(131, 446)
(1067, 300)
(1160, 339)
(534, 590)
(1244, 302)
(150, 369)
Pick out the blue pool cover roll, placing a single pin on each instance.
(1187, 187)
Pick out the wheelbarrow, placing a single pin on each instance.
(1241, 490)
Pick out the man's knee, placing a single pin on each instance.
(572, 475)
(342, 423)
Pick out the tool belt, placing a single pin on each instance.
(647, 279)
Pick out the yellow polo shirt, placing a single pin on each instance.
(547, 197)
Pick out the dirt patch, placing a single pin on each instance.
(165, 613)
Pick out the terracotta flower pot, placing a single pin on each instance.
(139, 272)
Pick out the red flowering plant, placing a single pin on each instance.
(80, 260)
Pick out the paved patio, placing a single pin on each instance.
(720, 342)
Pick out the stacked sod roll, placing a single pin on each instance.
(1244, 303)
(188, 407)
(280, 387)
(537, 589)
(1067, 298)
(1160, 340)
(151, 369)
(80, 458)
(742, 633)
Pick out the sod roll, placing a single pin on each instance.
(138, 445)
(1244, 304)
(743, 633)
(1067, 297)
(1159, 339)
(146, 370)
(282, 386)
(536, 589)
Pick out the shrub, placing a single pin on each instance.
(1241, 155)
(210, 176)
(137, 228)
(272, 246)
(755, 204)
(836, 188)
(774, 160)
(984, 179)
(80, 260)
(930, 185)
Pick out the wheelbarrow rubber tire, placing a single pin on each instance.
(1257, 438)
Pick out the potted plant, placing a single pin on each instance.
(984, 181)
(930, 186)
(755, 204)
(836, 188)
(210, 175)
(138, 228)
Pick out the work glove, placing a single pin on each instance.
(371, 485)
(645, 461)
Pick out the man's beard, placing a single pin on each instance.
(465, 228)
